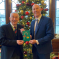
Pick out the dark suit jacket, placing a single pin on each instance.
(44, 35)
(8, 41)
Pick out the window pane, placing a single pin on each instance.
(14, 4)
(13, 10)
(47, 13)
(57, 4)
(2, 13)
(2, 21)
(57, 25)
(57, 29)
(57, 21)
(47, 3)
(57, 12)
(2, 5)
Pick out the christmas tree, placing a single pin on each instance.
(24, 9)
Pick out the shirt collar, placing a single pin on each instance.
(39, 17)
(12, 26)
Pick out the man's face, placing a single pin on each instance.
(36, 10)
(14, 19)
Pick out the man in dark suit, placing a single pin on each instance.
(11, 39)
(42, 33)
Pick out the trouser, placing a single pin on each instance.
(15, 56)
(41, 56)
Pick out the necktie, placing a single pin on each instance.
(36, 25)
(15, 30)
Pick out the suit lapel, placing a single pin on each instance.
(18, 32)
(11, 30)
(33, 25)
(39, 24)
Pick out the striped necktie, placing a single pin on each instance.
(36, 25)
(15, 30)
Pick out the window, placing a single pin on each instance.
(57, 17)
(14, 5)
(2, 12)
(47, 3)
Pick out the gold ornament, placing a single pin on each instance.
(23, 23)
(30, 45)
(27, 0)
(42, 2)
(24, 44)
(25, 55)
(21, 11)
(30, 18)
(43, 14)
(24, 3)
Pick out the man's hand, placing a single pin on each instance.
(20, 42)
(22, 29)
(32, 41)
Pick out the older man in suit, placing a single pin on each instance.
(11, 39)
(42, 33)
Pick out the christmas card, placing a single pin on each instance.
(26, 35)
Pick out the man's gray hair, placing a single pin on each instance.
(14, 12)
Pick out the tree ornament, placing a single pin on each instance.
(27, 42)
(25, 52)
(27, 49)
(15, 10)
(42, 2)
(21, 11)
(27, 13)
(30, 18)
(46, 9)
(32, 4)
(27, 23)
(30, 45)
(27, 4)
(22, 17)
(23, 23)
(17, 5)
(24, 6)
(27, 0)
(43, 14)
(23, 2)
(25, 55)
